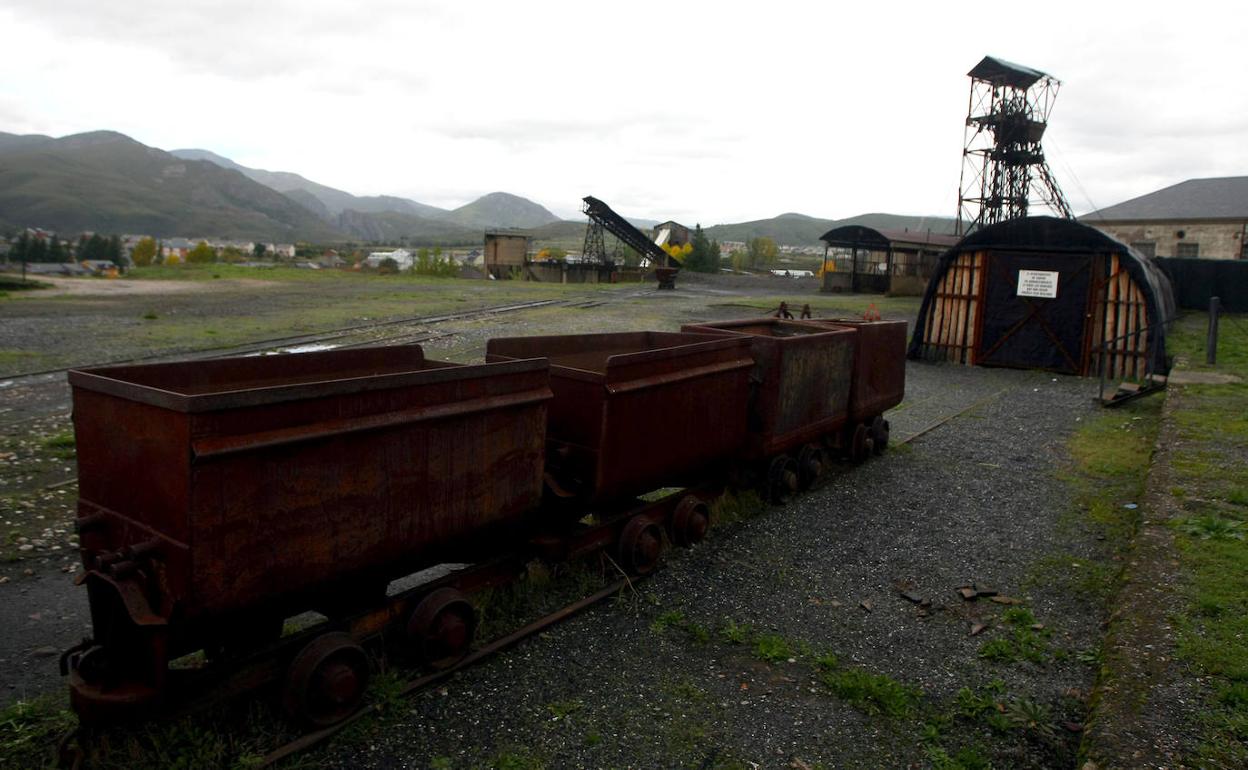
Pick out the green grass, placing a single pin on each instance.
(772, 648)
(29, 730)
(61, 445)
(15, 283)
(14, 357)
(1212, 470)
(834, 305)
(873, 694)
(1110, 455)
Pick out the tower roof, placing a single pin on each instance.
(1006, 73)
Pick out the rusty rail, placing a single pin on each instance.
(307, 741)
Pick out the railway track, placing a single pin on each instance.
(43, 392)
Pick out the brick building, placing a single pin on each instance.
(1199, 218)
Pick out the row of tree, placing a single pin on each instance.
(35, 248)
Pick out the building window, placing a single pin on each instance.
(1187, 249)
(1147, 248)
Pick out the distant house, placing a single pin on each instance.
(103, 267)
(1202, 218)
(175, 247)
(402, 257)
(793, 273)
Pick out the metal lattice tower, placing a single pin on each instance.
(1004, 172)
(595, 248)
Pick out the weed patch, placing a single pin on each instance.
(868, 692)
(772, 648)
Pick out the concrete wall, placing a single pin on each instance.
(502, 252)
(1217, 240)
(559, 272)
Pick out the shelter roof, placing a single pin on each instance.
(1216, 198)
(883, 238)
(1000, 71)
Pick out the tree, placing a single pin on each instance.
(37, 251)
(144, 252)
(762, 251)
(57, 251)
(21, 249)
(257, 250)
(201, 254)
(388, 266)
(704, 256)
(92, 248)
(113, 252)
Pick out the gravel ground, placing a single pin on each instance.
(609, 689)
(41, 611)
(976, 499)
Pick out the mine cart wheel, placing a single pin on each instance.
(325, 682)
(859, 443)
(879, 435)
(639, 546)
(690, 521)
(811, 466)
(440, 629)
(783, 477)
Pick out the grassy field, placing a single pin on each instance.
(1210, 479)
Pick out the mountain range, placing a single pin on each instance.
(107, 182)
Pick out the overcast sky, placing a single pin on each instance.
(702, 112)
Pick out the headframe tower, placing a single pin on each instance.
(1004, 172)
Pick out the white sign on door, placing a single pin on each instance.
(1037, 283)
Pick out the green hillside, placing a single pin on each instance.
(394, 227)
(802, 230)
(108, 182)
(500, 209)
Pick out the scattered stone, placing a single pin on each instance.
(978, 628)
(45, 652)
(1005, 600)
(1037, 626)
(968, 593)
(28, 572)
(912, 597)
(4, 579)
(1073, 727)
(985, 592)
(866, 605)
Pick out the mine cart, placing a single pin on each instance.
(218, 497)
(636, 411)
(878, 383)
(879, 379)
(799, 401)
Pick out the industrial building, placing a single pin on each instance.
(1199, 218)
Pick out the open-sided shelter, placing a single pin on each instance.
(868, 259)
(1046, 293)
